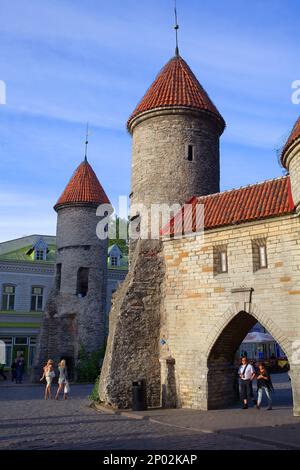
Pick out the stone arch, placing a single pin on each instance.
(223, 342)
(260, 317)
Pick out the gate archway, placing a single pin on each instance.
(222, 385)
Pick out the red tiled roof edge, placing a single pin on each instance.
(270, 198)
(83, 188)
(295, 134)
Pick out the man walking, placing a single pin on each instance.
(246, 374)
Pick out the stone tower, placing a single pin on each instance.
(291, 161)
(175, 139)
(75, 311)
(175, 156)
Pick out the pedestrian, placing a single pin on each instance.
(2, 371)
(48, 374)
(20, 367)
(246, 374)
(62, 379)
(264, 383)
(13, 370)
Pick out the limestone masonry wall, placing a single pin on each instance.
(199, 303)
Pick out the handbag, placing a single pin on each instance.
(66, 388)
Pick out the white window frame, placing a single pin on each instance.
(37, 253)
(8, 294)
(114, 260)
(36, 309)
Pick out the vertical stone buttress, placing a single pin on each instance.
(175, 155)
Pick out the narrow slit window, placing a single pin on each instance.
(82, 282)
(223, 262)
(190, 153)
(263, 256)
(58, 276)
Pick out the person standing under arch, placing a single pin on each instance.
(246, 374)
(264, 383)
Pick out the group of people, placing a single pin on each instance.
(63, 383)
(17, 370)
(247, 373)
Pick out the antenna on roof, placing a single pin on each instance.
(176, 27)
(86, 141)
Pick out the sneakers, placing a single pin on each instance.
(245, 407)
(269, 408)
(258, 407)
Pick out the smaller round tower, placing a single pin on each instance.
(290, 159)
(76, 309)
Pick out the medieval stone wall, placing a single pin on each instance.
(134, 324)
(199, 303)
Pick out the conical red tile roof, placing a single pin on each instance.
(295, 134)
(176, 85)
(83, 187)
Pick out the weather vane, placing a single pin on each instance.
(86, 141)
(176, 27)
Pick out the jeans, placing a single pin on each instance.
(19, 376)
(260, 394)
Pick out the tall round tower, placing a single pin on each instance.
(75, 312)
(175, 139)
(290, 159)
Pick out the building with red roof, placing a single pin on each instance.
(224, 261)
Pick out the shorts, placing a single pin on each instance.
(49, 380)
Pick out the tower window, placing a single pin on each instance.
(190, 153)
(8, 297)
(37, 299)
(58, 276)
(82, 282)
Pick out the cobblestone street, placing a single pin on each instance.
(29, 422)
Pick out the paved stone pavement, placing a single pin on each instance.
(29, 422)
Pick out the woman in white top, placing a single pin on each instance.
(62, 379)
(48, 374)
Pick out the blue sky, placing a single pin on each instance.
(66, 62)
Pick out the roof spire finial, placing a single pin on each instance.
(176, 27)
(86, 141)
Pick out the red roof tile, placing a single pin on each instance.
(176, 85)
(295, 134)
(83, 187)
(268, 199)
